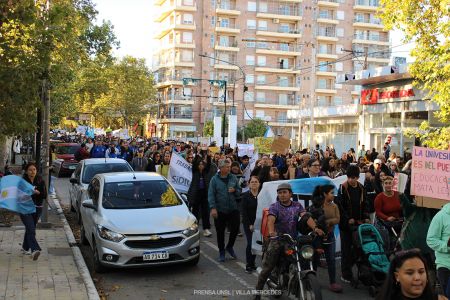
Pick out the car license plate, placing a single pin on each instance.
(158, 255)
(72, 167)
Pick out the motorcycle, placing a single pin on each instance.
(295, 273)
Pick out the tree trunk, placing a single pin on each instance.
(5, 151)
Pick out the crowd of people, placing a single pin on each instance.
(225, 187)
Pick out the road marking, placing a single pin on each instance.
(240, 264)
(228, 271)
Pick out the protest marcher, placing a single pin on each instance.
(438, 238)
(139, 163)
(351, 200)
(249, 206)
(408, 279)
(223, 191)
(313, 169)
(198, 192)
(165, 165)
(30, 244)
(154, 161)
(81, 153)
(98, 150)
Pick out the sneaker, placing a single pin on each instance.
(231, 252)
(335, 288)
(345, 280)
(221, 255)
(249, 269)
(207, 233)
(35, 254)
(239, 233)
(25, 252)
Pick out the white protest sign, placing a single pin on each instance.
(246, 149)
(180, 173)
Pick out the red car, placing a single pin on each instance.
(65, 162)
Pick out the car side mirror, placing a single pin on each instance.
(73, 180)
(89, 204)
(185, 199)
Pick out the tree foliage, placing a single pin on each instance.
(426, 23)
(255, 128)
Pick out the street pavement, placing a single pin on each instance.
(208, 280)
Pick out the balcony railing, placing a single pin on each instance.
(325, 86)
(332, 1)
(368, 20)
(325, 68)
(177, 116)
(276, 101)
(376, 38)
(278, 47)
(374, 3)
(227, 5)
(286, 11)
(326, 15)
(285, 120)
(326, 32)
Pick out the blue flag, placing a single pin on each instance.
(306, 186)
(15, 195)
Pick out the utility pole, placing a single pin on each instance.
(224, 116)
(312, 97)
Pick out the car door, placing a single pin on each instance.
(89, 215)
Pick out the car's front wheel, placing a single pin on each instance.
(98, 266)
(193, 262)
(83, 239)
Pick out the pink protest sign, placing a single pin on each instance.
(431, 173)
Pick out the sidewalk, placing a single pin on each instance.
(53, 276)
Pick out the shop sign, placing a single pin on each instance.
(373, 96)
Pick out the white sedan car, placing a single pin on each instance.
(137, 219)
(85, 171)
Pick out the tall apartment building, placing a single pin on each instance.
(274, 43)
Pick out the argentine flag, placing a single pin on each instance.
(269, 132)
(15, 195)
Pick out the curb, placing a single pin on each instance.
(79, 260)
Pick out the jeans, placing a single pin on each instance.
(29, 239)
(37, 215)
(250, 258)
(444, 279)
(330, 255)
(231, 219)
(347, 257)
(200, 209)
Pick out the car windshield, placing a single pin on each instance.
(67, 149)
(90, 171)
(139, 194)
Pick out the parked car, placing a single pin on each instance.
(65, 162)
(137, 219)
(85, 171)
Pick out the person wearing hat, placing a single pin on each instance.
(283, 217)
(139, 163)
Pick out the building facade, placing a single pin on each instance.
(271, 47)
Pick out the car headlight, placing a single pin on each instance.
(109, 235)
(307, 252)
(193, 229)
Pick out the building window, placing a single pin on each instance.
(251, 24)
(250, 60)
(284, 47)
(250, 78)
(262, 25)
(188, 19)
(212, 40)
(340, 15)
(251, 6)
(337, 100)
(187, 37)
(249, 96)
(340, 32)
(284, 28)
(188, 2)
(260, 114)
(283, 99)
(261, 97)
(248, 115)
(263, 7)
(261, 79)
(283, 81)
(251, 44)
(261, 61)
(262, 45)
(213, 21)
(186, 55)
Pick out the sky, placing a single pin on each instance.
(133, 26)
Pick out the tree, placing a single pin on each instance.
(130, 92)
(255, 128)
(428, 25)
(208, 129)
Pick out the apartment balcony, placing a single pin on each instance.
(327, 71)
(371, 39)
(327, 3)
(281, 14)
(277, 70)
(225, 66)
(165, 81)
(228, 9)
(166, 28)
(327, 89)
(219, 102)
(180, 100)
(327, 19)
(165, 10)
(279, 50)
(174, 63)
(275, 104)
(384, 59)
(283, 87)
(326, 36)
(228, 47)
(177, 118)
(230, 29)
(366, 5)
(173, 45)
(327, 55)
(281, 33)
(282, 122)
(368, 23)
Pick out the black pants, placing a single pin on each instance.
(223, 220)
(347, 257)
(200, 208)
(444, 279)
(250, 258)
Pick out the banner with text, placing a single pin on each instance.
(246, 149)
(430, 173)
(180, 173)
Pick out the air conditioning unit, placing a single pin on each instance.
(276, 21)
